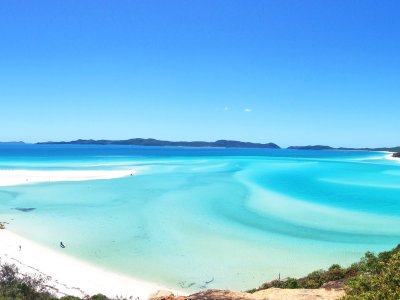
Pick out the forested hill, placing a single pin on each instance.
(219, 144)
(154, 142)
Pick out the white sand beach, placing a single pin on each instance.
(390, 157)
(11, 177)
(67, 275)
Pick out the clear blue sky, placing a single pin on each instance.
(289, 72)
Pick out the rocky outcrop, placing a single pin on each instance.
(331, 292)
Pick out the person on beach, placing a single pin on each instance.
(62, 245)
(19, 247)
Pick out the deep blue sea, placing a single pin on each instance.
(235, 217)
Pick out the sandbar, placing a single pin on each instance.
(390, 157)
(10, 177)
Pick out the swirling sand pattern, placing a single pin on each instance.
(238, 216)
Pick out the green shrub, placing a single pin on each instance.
(290, 283)
(335, 272)
(14, 286)
(380, 281)
(98, 297)
(374, 277)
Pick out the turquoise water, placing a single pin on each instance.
(237, 216)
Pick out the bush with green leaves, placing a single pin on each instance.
(374, 277)
(16, 286)
(13, 286)
(313, 280)
(380, 279)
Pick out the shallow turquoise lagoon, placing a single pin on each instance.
(235, 217)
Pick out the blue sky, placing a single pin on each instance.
(289, 72)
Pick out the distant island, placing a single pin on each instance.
(311, 147)
(216, 144)
(154, 142)
(20, 142)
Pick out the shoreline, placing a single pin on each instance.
(12, 177)
(390, 157)
(70, 276)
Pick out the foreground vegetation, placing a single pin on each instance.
(374, 277)
(15, 286)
